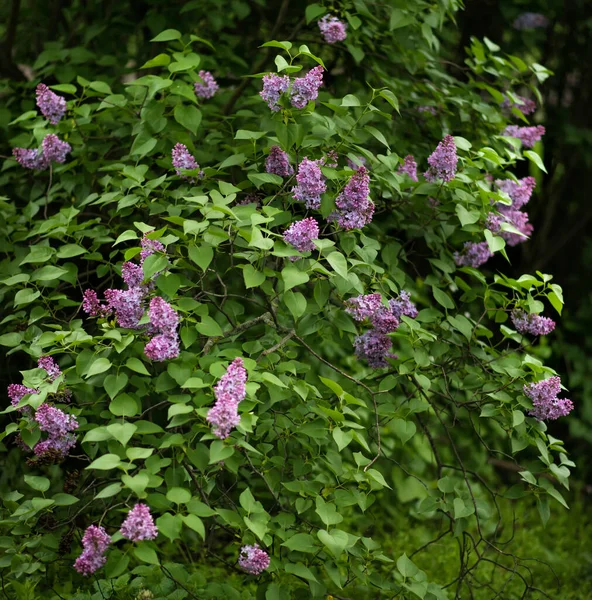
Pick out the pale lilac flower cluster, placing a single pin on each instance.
(531, 323)
(474, 254)
(59, 427)
(52, 106)
(409, 167)
(253, 560)
(310, 183)
(525, 105)
(184, 161)
(530, 20)
(164, 321)
(207, 87)
(443, 161)
(403, 306)
(149, 247)
(128, 306)
(52, 150)
(305, 89)
(30, 159)
(273, 87)
(354, 207)
(546, 404)
(132, 274)
(529, 136)
(278, 163)
(229, 392)
(332, 29)
(17, 391)
(519, 191)
(49, 364)
(301, 235)
(94, 545)
(139, 524)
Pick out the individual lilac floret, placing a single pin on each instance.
(473, 255)
(49, 364)
(301, 234)
(55, 449)
(305, 89)
(51, 105)
(533, 324)
(519, 191)
(518, 219)
(139, 524)
(162, 347)
(132, 274)
(525, 105)
(310, 183)
(273, 87)
(530, 20)
(332, 29)
(546, 404)
(94, 545)
(229, 392)
(54, 149)
(128, 306)
(55, 422)
(529, 136)
(149, 247)
(374, 347)
(208, 88)
(354, 207)
(403, 306)
(184, 161)
(443, 161)
(30, 159)
(163, 317)
(278, 163)
(253, 560)
(16, 392)
(409, 167)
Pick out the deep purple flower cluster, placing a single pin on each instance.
(473, 255)
(443, 161)
(30, 159)
(94, 545)
(128, 306)
(533, 324)
(310, 183)
(207, 87)
(305, 89)
(529, 136)
(52, 150)
(301, 234)
(229, 392)
(332, 29)
(525, 105)
(546, 404)
(132, 274)
(409, 167)
(139, 524)
(17, 391)
(55, 448)
(354, 207)
(164, 321)
(253, 560)
(273, 87)
(184, 161)
(49, 364)
(91, 304)
(375, 348)
(278, 163)
(530, 20)
(52, 106)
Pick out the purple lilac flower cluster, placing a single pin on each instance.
(52, 106)
(278, 163)
(332, 29)
(17, 391)
(253, 560)
(310, 183)
(94, 545)
(273, 87)
(375, 345)
(443, 161)
(164, 321)
(229, 392)
(58, 425)
(530, 20)
(139, 524)
(354, 207)
(529, 136)
(305, 89)
(301, 235)
(474, 254)
(530, 323)
(52, 150)
(409, 167)
(519, 191)
(546, 404)
(184, 161)
(50, 365)
(525, 105)
(207, 87)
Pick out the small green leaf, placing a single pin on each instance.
(146, 554)
(188, 116)
(98, 366)
(536, 159)
(218, 452)
(178, 495)
(105, 462)
(113, 384)
(339, 263)
(166, 36)
(296, 303)
(41, 484)
(335, 541)
(252, 277)
(442, 298)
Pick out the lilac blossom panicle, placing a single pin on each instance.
(139, 524)
(132, 274)
(519, 191)
(30, 159)
(273, 87)
(305, 89)
(403, 306)
(57, 448)
(54, 149)
(184, 161)
(164, 321)
(229, 392)
(278, 163)
(530, 20)
(363, 307)
(518, 219)
(52, 106)
(55, 422)
(354, 207)
(207, 87)
(546, 404)
(253, 560)
(310, 183)
(128, 306)
(301, 234)
(94, 545)
(16, 392)
(473, 255)
(374, 347)
(91, 305)
(529, 136)
(162, 347)
(532, 323)
(443, 161)
(409, 167)
(332, 29)
(525, 105)
(49, 364)
(149, 247)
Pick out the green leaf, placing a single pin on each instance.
(342, 438)
(517, 418)
(327, 512)
(339, 263)
(313, 11)
(300, 570)
(138, 483)
(105, 462)
(154, 264)
(442, 298)
(252, 277)
(195, 523)
(406, 567)
(292, 277)
(109, 491)
(335, 541)
(10, 339)
(378, 135)
(536, 159)
(62, 499)
(188, 117)
(404, 430)
(41, 484)
(124, 405)
(296, 303)
(166, 36)
(461, 509)
(146, 554)
(26, 296)
(178, 495)
(135, 364)
(48, 273)
(122, 432)
(161, 60)
(350, 100)
(201, 256)
(113, 384)
(390, 98)
(301, 542)
(98, 366)
(219, 451)
(467, 217)
(260, 179)
(209, 327)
